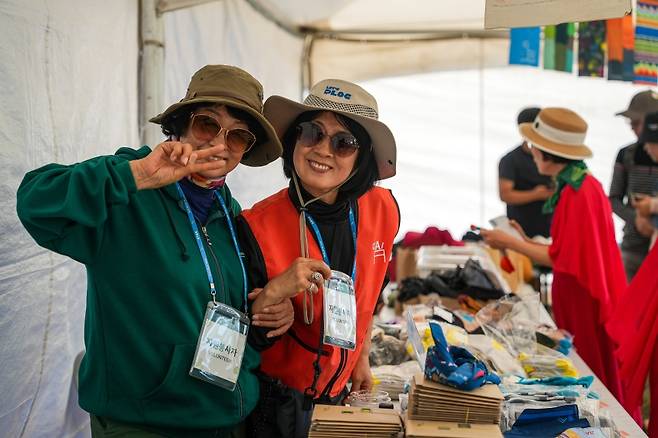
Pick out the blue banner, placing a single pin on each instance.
(524, 46)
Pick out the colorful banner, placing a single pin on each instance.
(646, 42)
(621, 43)
(591, 42)
(564, 34)
(524, 46)
(549, 47)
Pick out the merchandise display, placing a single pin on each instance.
(482, 368)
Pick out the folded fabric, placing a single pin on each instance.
(585, 382)
(546, 423)
(455, 366)
(431, 236)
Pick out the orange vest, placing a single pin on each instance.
(275, 225)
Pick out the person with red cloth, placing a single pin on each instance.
(633, 325)
(588, 272)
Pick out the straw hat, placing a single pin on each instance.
(558, 131)
(344, 98)
(234, 87)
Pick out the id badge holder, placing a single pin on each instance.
(339, 311)
(221, 344)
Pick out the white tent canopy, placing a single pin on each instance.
(71, 91)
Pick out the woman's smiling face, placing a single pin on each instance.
(318, 166)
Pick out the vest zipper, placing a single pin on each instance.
(222, 297)
(339, 371)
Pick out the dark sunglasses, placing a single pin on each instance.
(310, 134)
(206, 128)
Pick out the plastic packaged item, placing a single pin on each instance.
(501, 360)
(340, 311)
(368, 399)
(546, 362)
(587, 432)
(394, 378)
(387, 350)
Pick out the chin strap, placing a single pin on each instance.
(303, 239)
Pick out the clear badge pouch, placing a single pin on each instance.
(220, 347)
(339, 311)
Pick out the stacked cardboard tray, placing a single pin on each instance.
(342, 422)
(437, 410)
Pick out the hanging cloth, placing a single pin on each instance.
(591, 54)
(564, 34)
(646, 42)
(549, 47)
(524, 46)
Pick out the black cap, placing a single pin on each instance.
(650, 128)
(527, 115)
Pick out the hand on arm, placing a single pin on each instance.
(278, 317)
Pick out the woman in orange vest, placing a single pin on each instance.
(335, 150)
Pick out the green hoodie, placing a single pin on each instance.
(147, 291)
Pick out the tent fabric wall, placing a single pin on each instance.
(232, 32)
(358, 61)
(69, 76)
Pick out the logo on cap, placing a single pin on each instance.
(335, 91)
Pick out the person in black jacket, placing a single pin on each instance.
(635, 174)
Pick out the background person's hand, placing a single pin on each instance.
(497, 239)
(643, 225)
(542, 192)
(643, 206)
(361, 375)
(171, 161)
(519, 229)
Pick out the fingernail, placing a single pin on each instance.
(186, 160)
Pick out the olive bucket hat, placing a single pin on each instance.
(234, 87)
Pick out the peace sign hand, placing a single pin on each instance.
(172, 160)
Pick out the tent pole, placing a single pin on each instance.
(307, 68)
(151, 80)
(482, 128)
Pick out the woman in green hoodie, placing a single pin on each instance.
(167, 316)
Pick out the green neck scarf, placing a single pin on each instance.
(573, 175)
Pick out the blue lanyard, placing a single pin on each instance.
(202, 250)
(323, 249)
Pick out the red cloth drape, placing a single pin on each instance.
(634, 328)
(588, 275)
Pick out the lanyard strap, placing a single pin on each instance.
(202, 250)
(323, 249)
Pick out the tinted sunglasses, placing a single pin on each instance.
(310, 134)
(206, 128)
